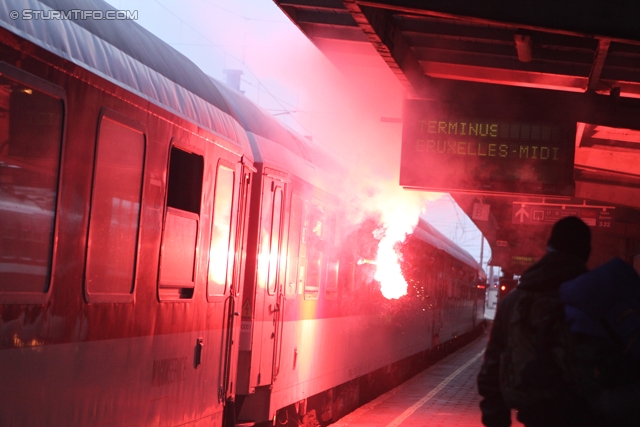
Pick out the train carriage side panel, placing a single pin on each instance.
(268, 301)
(455, 287)
(92, 351)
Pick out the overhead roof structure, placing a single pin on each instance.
(587, 52)
(566, 45)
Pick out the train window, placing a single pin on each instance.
(241, 214)
(331, 288)
(30, 147)
(315, 243)
(220, 267)
(185, 181)
(274, 250)
(115, 210)
(302, 258)
(180, 234)
(293, 252)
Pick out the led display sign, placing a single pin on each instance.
(452, 152)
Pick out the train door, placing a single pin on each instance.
(268, 290)
(239, 254)
(292, 272)
(229, 188)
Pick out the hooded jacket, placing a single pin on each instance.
(547, 274)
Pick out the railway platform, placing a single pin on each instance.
(444, 395)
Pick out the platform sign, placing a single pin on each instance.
(522, 262)
(489, 152)
(481, 211)
(549, 215)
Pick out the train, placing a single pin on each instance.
(172, 255)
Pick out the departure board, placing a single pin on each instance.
(446, 151)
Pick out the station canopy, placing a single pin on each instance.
(576, 64)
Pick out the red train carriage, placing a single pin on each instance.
(123, 179)
(168, 249)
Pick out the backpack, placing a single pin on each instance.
(537, 366)
(605, 302)
(603, 312)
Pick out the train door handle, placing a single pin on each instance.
(198, 352)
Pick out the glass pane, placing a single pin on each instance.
(30, 142)
(115, 209)
(333, 265)
(274, 251)
(240, 231)
(265, 237)
(220, 269)
(314, 252)
(179, 247)
(295, 229)
(180, 234)
(332, 277)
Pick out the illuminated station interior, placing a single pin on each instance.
(532, 105)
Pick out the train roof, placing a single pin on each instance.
(427, 233)
(275, 144)
(129, 56)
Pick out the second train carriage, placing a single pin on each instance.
(308, 324)
(448, 278)
(169, 249)
(292, 289)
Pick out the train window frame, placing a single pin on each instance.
(294, 244)
(332, 263)
(302, 251)
(180, 290)
(274, 263)
(50, 89)
(114, 297)
(242, 225)
(312, 292)
(232, 232)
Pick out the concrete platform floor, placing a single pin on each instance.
(444, 395)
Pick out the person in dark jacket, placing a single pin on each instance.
(568, 250)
